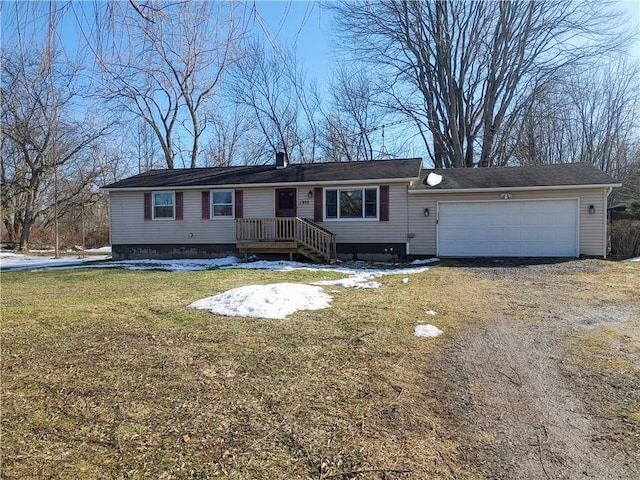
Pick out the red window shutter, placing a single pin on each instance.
(317, 204)
(179, 209)
(384, 203)
(206, 206)
(238, 202)
(147, 206)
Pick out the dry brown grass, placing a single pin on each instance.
(106, 374)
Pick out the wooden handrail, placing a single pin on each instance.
(287, 229)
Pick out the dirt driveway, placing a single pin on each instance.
(545, 381)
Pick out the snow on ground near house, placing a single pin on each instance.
(15, 261)
(266, 301)
(425, 261)
(637, 259)
(427, 331)
(190, 265)
(99, 250)
(262, 301)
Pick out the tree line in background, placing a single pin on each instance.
(141, 85)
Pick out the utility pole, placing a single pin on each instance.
(55, 208)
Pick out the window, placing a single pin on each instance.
(163, 205)
(351, 203)
(222, 203)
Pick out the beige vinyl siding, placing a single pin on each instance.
(260, 202)
(128, 225)
(593, 226)
(591, 235)
(422, 228)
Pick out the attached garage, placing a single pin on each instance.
(521, 228)
(531, 211)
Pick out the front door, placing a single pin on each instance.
(286, 202)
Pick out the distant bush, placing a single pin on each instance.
(625, 238)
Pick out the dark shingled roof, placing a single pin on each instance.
(556, 175)
(268, 174)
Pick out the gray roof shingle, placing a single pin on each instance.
(556, 175)
(268, 174)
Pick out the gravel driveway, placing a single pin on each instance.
(546, 382)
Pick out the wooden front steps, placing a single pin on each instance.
(285, 235)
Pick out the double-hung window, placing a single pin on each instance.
(351, 203)
(222, 204)
(164, 205)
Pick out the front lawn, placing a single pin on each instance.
(107, 374)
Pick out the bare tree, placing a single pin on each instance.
(226, 137)
(461, 69)
(146, 145)
(353, 115)
(43, 139)
(282, 103)
(163, 63)
(588, 116)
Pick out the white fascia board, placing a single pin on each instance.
(513, 189)
(329, 183)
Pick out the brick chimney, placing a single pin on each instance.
(281, 160)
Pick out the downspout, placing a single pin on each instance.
(406, 196)
(110, 225)
(605, 243)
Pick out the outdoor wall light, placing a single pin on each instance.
(310, 194)
(426, 212)
(592, 209)
(505, 195)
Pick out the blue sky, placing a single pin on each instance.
(306, 25)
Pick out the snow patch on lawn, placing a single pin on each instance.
(427, 331)
(266, 301)
(281, 299)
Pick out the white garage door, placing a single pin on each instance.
(540, 228)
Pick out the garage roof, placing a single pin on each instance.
(555, 175)
(401, 169)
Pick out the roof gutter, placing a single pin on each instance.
(515, 189)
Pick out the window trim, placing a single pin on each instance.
(153, 205)
(363, 218)
(212, 215)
